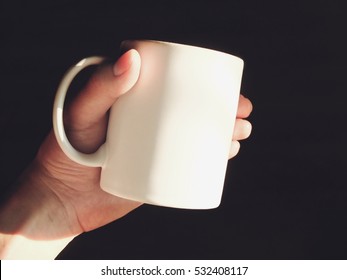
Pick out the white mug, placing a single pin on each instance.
(168, 138)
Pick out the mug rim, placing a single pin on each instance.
(181, 45)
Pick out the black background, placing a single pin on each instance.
(285, 193)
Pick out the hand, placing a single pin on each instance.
(78, 188)
(61, 198)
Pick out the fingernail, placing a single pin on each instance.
(122, 65)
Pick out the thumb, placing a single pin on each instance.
(103, 89)
(86, 117)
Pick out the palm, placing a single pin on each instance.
(79, 189)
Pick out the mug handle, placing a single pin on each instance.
(96, 159)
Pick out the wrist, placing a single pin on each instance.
(34, 223)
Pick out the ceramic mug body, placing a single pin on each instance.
(168, 138)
